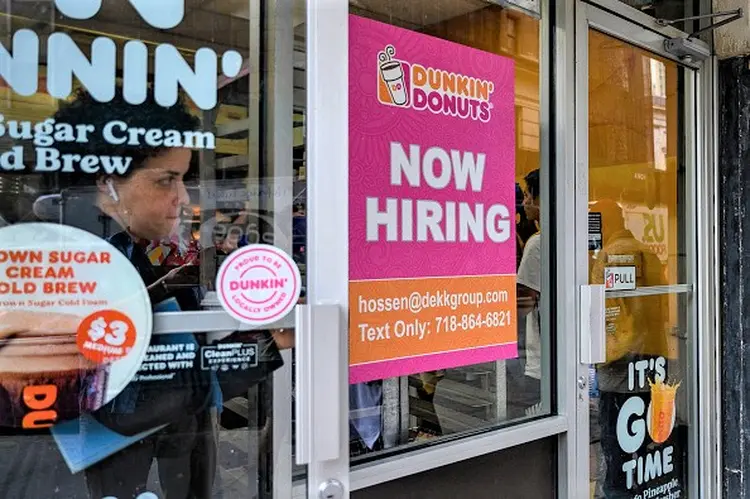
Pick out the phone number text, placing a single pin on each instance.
(467, 322)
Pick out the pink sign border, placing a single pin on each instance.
(360, 373)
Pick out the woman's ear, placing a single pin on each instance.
(106, 186)
(101, 185)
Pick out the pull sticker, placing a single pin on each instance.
(619, 278)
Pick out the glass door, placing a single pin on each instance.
(636, 146)
(174, 141)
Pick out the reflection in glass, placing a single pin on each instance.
(176, 217)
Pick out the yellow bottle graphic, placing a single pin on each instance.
(662, 410)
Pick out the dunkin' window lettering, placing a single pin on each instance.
(412, 85)
(62, 62)
(19, 67)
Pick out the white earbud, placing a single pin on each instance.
(112, 191)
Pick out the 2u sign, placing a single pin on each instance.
(653, 232)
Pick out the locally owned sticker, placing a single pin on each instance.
(258, 284)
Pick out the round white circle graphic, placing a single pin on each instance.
(258, 284)
(75, 323)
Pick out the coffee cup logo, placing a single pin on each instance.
(393, 78)
(436, 89)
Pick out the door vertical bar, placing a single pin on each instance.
(693, 247)
(277, 198)
(328, 195)
(561, 37)
(255, 100)
(709, 401)
(583, 430)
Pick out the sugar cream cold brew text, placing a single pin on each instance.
(49, 132)
(95, 67)
(51, 272)
(425, 220)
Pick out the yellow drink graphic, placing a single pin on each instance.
(662, 410)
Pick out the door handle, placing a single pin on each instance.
(318, 376)
(593, 328)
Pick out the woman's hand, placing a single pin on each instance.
(284, 338)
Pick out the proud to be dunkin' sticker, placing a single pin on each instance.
(258, 284)
(75, 323)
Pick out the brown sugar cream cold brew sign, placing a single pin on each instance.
(75, 323)
(97, 73)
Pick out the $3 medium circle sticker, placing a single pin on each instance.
(258, 284)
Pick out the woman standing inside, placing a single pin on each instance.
(131, 209)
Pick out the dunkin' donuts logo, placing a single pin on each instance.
(424, 88)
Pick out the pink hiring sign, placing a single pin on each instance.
(432, 203)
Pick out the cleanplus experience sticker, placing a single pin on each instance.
(258, 284)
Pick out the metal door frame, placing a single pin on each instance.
(631, 26)
(327, 430)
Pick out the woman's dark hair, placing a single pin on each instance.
(532, 183)
(83, 109)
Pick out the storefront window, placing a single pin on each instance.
(415, 377)
(134, 162)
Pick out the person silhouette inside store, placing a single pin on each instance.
(636, 330)
(515, 368)
(525, 228)
(526, 395)
(130, 210)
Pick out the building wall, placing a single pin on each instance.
(734, 204)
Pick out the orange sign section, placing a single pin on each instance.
(402, 318)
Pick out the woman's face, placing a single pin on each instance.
(530, 206)
(151, 200)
